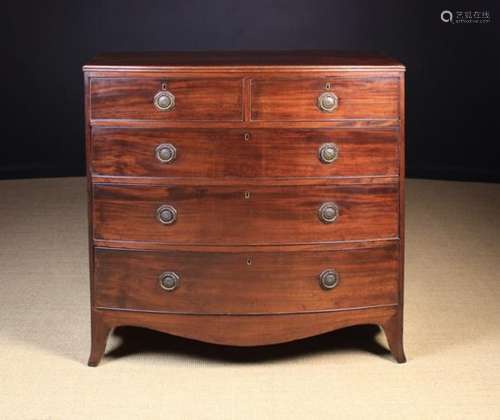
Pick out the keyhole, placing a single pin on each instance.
(247, 195)
(246, 136)
(163, 85)
(327, 85)
(249, 261)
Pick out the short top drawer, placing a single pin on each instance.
(325, 98)
(174, 99)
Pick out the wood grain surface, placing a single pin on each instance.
(223, 215)
(295, 99)
(246, 330)
(237, 153)
(246, 283)
(209, 60)
(196, 99)
(247, 185)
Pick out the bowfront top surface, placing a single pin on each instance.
(241, 59)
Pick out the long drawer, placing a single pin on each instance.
(239, 215)
(238, 283)
(239, 153)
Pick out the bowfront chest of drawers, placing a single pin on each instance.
(245, 198)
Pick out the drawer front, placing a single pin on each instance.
(236, 283)
(190, 100)
(360, 96)
(253, 153)
(239, 215)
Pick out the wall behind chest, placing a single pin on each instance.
(452, 76)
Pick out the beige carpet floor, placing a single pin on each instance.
(452, 336)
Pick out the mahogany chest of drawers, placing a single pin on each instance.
(245, 198)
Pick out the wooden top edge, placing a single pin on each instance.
(241, 60)
(140, 246)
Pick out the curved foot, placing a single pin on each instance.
(100, 332)
(393, 329)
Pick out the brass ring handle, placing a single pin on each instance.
(166, 153)
(328, 102)
(169, 281)
(166, 214)
(328, 152)
(328, 212)
(164, 100)
(329, 279)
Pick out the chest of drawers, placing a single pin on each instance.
(245, 198)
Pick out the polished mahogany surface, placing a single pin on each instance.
(245, 198)
(228, 215)
(246, 282)
(236, 153)
(261, 59)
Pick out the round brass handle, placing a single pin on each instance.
(328, 102)
(328, 152)
(328, 279)
(166, 153)
(164, 100)
(328, 212)
(166, 214)
(169, 281)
